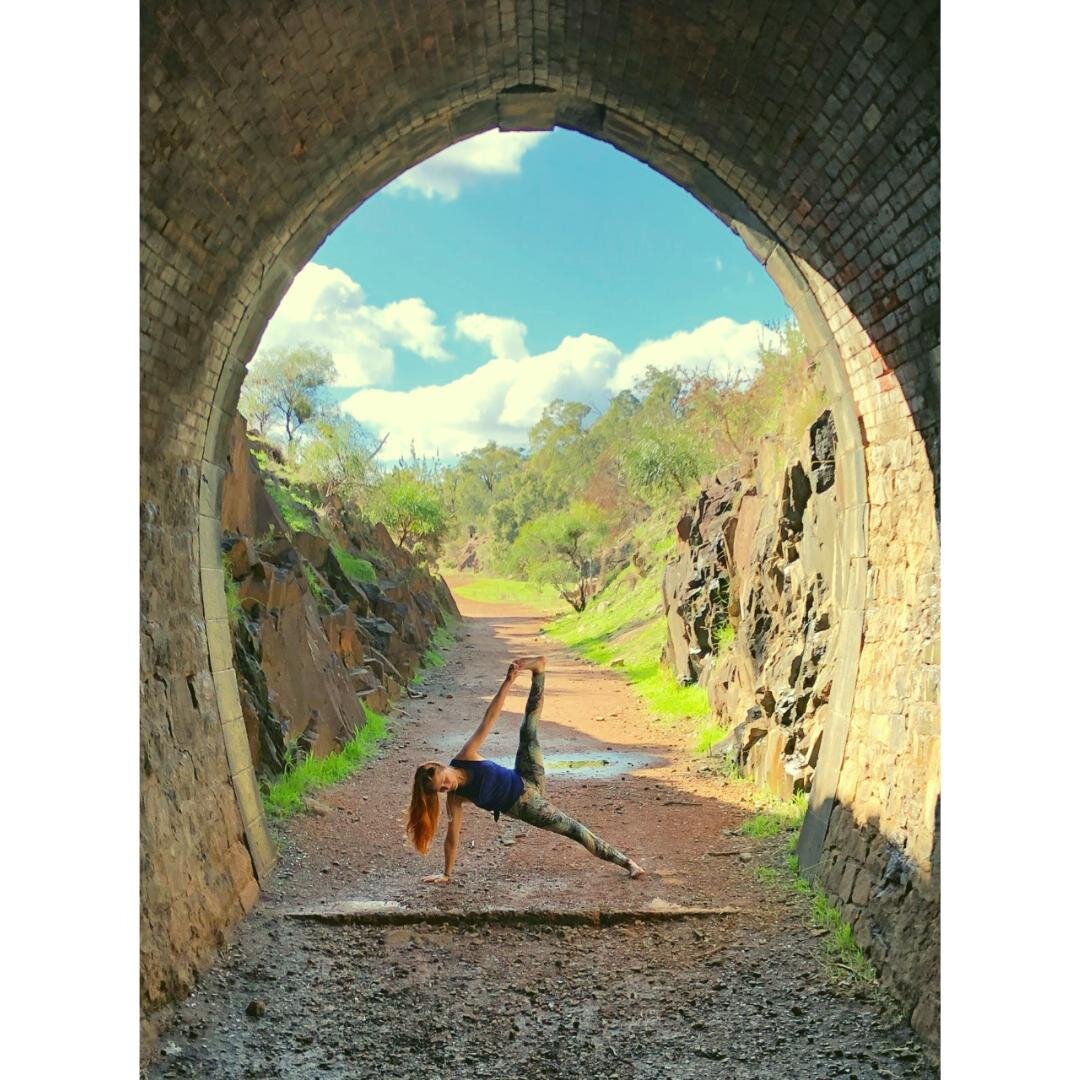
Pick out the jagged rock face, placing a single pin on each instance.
(309, 687)
(759, 565)
(311, 645)
(246, 507)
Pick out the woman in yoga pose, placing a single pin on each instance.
(517, 792)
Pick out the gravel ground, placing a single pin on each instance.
(746, 994)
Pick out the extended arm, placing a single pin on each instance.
(455, 811)
(470, 751)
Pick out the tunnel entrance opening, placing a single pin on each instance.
(832, 186)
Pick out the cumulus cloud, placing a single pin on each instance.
(325, 306)
(504, 397)
(494, 153)
(505, 337)
(722, 346)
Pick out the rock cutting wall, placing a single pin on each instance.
(310, 644)
(750, 606)
(752, 602)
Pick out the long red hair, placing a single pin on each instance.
(423, 808)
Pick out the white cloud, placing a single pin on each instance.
(503, 398)
(722, 346)
(719, 264)
(494, 153)
(326, 307)
(505, 337)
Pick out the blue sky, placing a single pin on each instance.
(514, 268)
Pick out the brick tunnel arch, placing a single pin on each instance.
(263, 131)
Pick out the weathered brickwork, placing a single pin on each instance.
(812, 128)
(196, 872)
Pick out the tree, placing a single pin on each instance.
(283, 385)
(560, 548)
(339, 458)
(490, 465)
(411, 509)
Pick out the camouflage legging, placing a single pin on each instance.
(532, 807)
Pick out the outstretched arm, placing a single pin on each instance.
(470, 751)
(455, 811)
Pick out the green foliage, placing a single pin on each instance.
(282, 386)
(338, 458)
(433, 657)
(780, 817)
(315, 585)
(842, 952)
(298, 514)
(642, 456)
(723, 637)
(412, 508)
(558, 549)
(356, 568)
(840, 943)
(285, 795)
(708, 735)
(627, 633)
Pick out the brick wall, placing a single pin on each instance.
(812, 128)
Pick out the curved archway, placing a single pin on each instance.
(251, 161)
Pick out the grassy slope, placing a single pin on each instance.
(623, 628)
(285, 794)
(493, 590)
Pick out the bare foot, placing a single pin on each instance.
(531, 663)
(637, 871)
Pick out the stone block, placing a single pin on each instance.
(527, 109)
(228, 696)
(213, 592)
(237, 748)
(219, 644)
(209, 542)
(211, 478)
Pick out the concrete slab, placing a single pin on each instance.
(389, 913)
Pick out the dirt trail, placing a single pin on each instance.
(738, 995)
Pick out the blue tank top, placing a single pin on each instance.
(490, 786)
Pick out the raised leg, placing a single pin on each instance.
(529, 762)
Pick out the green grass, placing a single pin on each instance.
(488, 590)
(356, 568)
(623, 627)
(780, 817)
(841, 950)
(840, 943)
(708, 735)
(285, 795)
(298, 512)
(314, 584)
(433, 657)
(723, 638)
(232, 593)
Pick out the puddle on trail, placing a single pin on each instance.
(605, 765)
(599, 767)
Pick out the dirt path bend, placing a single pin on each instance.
(736, 995)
